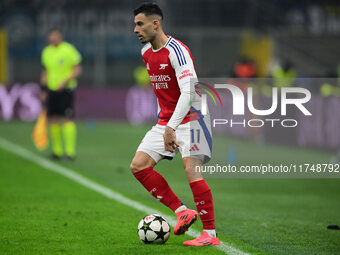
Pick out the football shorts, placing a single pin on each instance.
(194, 139)
(60, 103)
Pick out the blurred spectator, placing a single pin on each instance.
(141, 76)
(284, 75)
(245, 68)
(141, 103)
(331, 89)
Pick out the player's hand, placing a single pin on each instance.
(43, 97)
(170, 143)
(61, 86)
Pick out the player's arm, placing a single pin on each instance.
(184, 68)
(43, 79)
(185, 74)
(77, 68)
(43, 87)
(76, 72)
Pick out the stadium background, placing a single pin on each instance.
(112, 109)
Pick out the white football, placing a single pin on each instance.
(153, 229)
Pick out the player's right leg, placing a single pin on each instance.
(53, 112)
(142, 168)
(149, 153)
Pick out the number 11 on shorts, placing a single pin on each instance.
(197, 136)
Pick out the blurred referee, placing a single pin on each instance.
(62, 65)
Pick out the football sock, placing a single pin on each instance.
(204, 203)
(211, 232)
(155, 183)
(181, 208)
(57, 147)
(70, 136)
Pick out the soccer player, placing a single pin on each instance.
(62, 65)
(181, 126)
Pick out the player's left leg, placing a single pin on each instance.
(55, 133)
(70, 138)
(69, 126)
(204, 202)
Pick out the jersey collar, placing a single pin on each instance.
(167, 42)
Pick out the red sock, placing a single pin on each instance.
(204, 203)
(155, 183)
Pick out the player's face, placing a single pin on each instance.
(55, 38)
(144, 28)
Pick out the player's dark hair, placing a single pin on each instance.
(148, 9)
(54, 29)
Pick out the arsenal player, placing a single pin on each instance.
(181, 127)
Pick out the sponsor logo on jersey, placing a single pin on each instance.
(185, 73)
(161, 85)
(162, 66)
(155, 78)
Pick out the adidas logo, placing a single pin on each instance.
(184, 217)
(202, 212)
(194, 148)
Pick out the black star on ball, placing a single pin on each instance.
(160, 234)
(159, 218)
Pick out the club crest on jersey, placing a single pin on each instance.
(162, 66)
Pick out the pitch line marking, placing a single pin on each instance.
(113, 195)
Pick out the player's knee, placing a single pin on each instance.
(192, 173)
(187, 169)
(134, 167)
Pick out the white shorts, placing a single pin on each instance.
(194, 139)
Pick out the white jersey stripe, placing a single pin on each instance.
(180, 52)
(177, 55)
(180, 49)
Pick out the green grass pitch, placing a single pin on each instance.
(42, 212)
